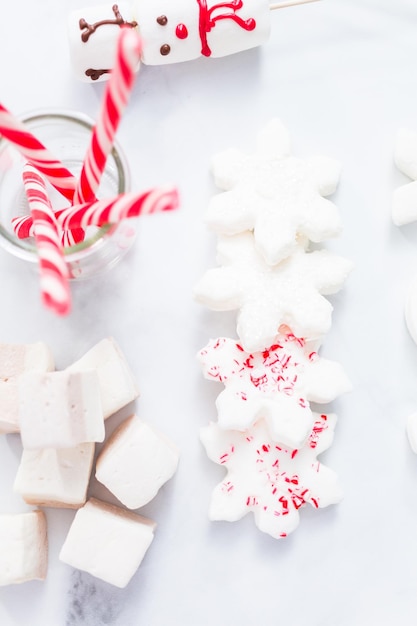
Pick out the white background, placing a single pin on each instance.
(342, 75)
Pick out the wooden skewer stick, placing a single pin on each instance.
(289, 3)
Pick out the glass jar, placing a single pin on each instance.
(67, 135)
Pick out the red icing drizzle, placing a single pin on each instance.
(207, 21)
(181, 31)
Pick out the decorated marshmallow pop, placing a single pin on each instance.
(181, 31)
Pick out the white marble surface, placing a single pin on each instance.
(341, 74)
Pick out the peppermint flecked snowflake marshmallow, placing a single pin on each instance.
(267, 479)
(267, 435)
(277, 383)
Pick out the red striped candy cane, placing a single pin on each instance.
(114, 210)
(23, 228)
(53, 269)
(116, 96)
(103, 212)
(34, 151)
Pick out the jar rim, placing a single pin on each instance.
(20, 247)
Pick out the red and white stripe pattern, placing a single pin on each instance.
(114, 210)
(53, 269)
(23, 226)
(101, 212)
(116, 96)
(34, 151)
(72, 237)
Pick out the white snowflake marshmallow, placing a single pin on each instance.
(290, 292)
(276, 195)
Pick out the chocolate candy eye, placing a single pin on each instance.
(165, 49)
(162, 20)
(181, 31)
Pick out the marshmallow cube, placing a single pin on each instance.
(158, 23)
(92, 33)
(185, 30)
(23, 547)
(56, 478)
(15, 359)
(18, 358)
(107, 542)
(59, 409)
(9, 406)
(135, 462)
(116, 381)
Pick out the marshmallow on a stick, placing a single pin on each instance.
(172, 33)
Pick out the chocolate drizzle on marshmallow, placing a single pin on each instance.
(95, 74)
(89, 29)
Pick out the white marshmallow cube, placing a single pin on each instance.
(92, 43)
(184, 30)
(116, 381)
(170, 32)
(18, 358)
(23, 547)
(107, 542)
(15, 359)
(56, 478)
(9, 406)
(135, 462)
(59, 409)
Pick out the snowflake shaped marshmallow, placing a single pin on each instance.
(277, 384)
(404, 201)
(268, 480)
(289, 293)
(274, 194)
